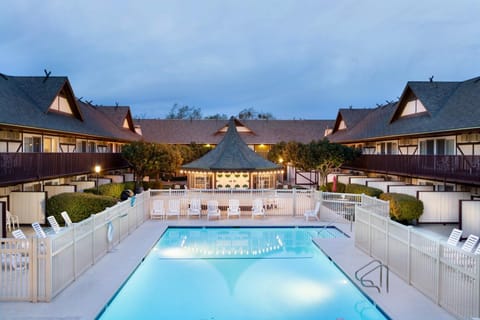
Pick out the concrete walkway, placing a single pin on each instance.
(86, 297)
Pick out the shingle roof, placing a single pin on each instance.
(25, 102)
(451, 106)
(206, 131)
(118, 114)
(231, 154)
(351, 117)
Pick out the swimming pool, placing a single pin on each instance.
(240, 273)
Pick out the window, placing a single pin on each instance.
(413, 106)
(32, 144)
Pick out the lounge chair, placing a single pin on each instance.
(39, 230)
(233, 208)
(477, 251)
(158, 209)
(12, 221)
(257, 208)
(54, 224)
(173, 208)
(195, 208)
(470, 243)
(18, 234)
(313, 213)
(454, 237)
(66, 218)
(212, 209)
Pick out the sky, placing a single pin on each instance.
(295, 59)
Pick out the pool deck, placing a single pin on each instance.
(86, 297)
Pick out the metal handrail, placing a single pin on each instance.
(369, 283)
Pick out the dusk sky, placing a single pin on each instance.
(294, 59)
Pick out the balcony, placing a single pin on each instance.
(18, 168)
(454, 169)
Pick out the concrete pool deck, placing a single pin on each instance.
(86, 297)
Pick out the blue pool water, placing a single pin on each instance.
(240, 273)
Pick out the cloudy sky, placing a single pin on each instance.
(295, 59)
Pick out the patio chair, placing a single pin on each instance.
(212, 209)
(39, 230)
(158, 209)
(18, 234)
(195, 208)
(173, 208)
(12, 221)
(54, 224)
(233, 208)
(470, 243)
(257, 208)
(477, 251)
(454, 237)
(66, 218)
(313, 213)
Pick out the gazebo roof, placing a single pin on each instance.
(231, 154)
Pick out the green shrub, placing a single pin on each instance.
(113, 190)
(329, 187)
(359, 189)
(78, 205)
(403, 208)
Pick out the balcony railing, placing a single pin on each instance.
(25, 167)
(455, 169)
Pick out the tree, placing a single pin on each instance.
(252, 114)
(150, 158)
(217, 116)
(184, 112)
(192, 152)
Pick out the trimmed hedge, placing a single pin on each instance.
(78, 205)
(115, 190)
(359, 189)
(403, 208)
(329, 187)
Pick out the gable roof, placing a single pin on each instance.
(452, 107)
(118, 115)
(350, 116)
(209, 131)
(25, 103)
(231, 154)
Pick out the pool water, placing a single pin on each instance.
(240, 273)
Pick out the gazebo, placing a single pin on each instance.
(232, 165)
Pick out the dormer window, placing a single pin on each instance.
(413, 106)
(342, 125)
(125, 124)
(60, 104)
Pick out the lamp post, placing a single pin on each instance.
(97, 171)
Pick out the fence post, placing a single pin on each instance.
(33, 254)
(93, 239)
(437, 270)
(409, 254)
(294, 201)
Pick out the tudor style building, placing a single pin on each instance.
(430, 136)
(47, 136)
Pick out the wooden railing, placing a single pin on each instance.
(25, 167)
(456, 169)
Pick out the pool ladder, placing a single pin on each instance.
(368, 269)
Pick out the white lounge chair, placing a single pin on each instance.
(454, 237)
(66, 218)
(18, 234)
(257, 208)
(54, 224)
(195, 208)
(39, 230)
(233, 208)
(173, 208)
(158, 209)
(470, 243)
(12, 221)
(313, 213)
(212, 209)
(477, 251)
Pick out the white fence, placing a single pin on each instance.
(38, 269)
(442, 206)
(446, 274)
(281, 202)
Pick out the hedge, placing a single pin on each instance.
(403, 208)
(329, 187)
(359, 189)
(79, 206)
(114, 190)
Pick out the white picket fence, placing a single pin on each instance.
(38, 269)
(446, 274)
